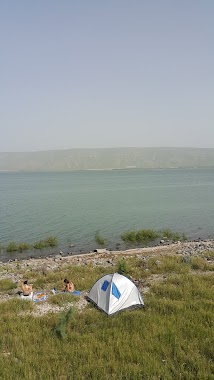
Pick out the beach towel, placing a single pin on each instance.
(39, 297)
(27, 298)
(74, 293)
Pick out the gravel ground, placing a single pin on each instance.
(11, 270)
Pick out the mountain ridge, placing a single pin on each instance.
(107, 159)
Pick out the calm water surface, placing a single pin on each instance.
(74, 206)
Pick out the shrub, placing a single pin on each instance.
(146, 235)
(129, 236)
(122, 266)
(175, 236)
(140, 236)
(171, 235)
(99, 239)
(51, 241)
(12, 247)
(167, 233)
(23, 247)
(39, 244)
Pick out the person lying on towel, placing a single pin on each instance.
(69, 286)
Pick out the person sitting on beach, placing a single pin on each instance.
(69, 286)
(26, 289)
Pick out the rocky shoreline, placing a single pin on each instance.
(104, 257)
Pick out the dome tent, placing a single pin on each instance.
(115, 292)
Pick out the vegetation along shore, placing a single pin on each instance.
(172, 337)
(128, 239)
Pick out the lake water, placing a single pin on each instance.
(73, 206)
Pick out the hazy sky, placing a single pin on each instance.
(77, 74)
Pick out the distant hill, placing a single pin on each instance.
(109, 158)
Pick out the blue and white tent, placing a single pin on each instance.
(115, 292)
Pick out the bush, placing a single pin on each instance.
(122, 266)
(171, 235)
(99, 239)
(175, 236)
(140, 236)
(51, 241)
(167, 234)
(129, 236)
(12, 247)
(23, 247)
(146, 235)
(39, 244)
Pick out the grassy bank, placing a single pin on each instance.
(172, 338)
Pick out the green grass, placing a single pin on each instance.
(183, 236)
(140, 236)
(39, 244)
(208, 254)
(168, 264)
(122, 266)
(61, 328)
(129, 236)
(100, 239)
(168, 234)
(23, 247)
(171, 338)
(147, 235)
(143, 236)
(82, 276)
(20, 247)
(62, 299)
(198, 263)
(50, 241)
(7, 284)
(12, 247)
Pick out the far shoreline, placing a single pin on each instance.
(42, 171)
